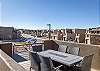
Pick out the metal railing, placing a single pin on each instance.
(20, 48)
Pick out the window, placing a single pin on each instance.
(76, 39)
(54, 37)
(87, 35)
(87, 41)
(98, 32)
(76, 34)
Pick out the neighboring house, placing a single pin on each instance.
(36, 33)
(63, 34)
(7, 33)
(19, 33)
(39, 33)
(63, 31)
(92, 39)
(69, 35)
(79, 35)
(93, 36)
(44, 33)
(54, 35)
(57, 34)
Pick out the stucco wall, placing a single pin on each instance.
(3, 66)
(6, 47)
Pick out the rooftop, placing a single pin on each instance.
(22, 61)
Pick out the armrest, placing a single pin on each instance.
(78, 64)
(57, 68)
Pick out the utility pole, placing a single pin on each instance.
(49, 30)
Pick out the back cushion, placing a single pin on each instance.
(62, 48)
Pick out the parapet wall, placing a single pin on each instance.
(8, 64)
(85, 49)
(3, 66)
(6, 47)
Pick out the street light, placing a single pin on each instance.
(49, 30)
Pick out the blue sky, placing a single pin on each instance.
(35, 14)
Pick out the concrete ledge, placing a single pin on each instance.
(8, 64)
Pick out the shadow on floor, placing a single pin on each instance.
(18, 58)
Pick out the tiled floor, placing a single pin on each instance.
(94, 69)
(26, 65)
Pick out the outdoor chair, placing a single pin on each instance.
(35, 61)
(62, 48)
(85, 64)
(47, 65)
(37, 47)
(73, 50)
